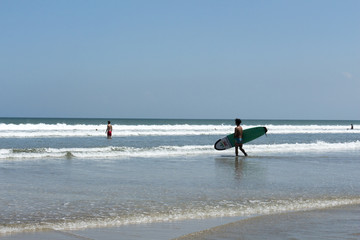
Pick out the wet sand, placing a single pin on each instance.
(154, 231)
(334, 223)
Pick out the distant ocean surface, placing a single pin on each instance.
(64, 174)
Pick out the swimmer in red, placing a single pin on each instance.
(109, 130)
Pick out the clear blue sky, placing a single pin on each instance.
(180, 59)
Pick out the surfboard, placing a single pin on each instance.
(248, 135)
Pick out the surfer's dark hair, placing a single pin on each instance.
(108, 122)
(237, 121)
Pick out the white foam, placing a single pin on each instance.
(316, 147)
(171, 151)
(64, 130)
(82, 130)
(310, 129)
(221, 209)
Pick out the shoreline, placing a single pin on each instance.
(309, 224)
(149, 231)
(331, 223)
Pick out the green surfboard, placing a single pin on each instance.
(248, 135)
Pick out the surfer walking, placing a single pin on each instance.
(238, 137)
(109, 130)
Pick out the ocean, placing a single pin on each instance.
(65, 175)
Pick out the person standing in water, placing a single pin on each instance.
(109, 130)
(238, 134)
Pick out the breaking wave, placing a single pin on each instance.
(113, 152)
(82, 130)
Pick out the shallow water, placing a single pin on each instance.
(64, 174)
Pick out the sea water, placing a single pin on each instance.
(64, 174)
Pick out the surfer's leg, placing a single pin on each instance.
(242, 150)
(236, 149)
